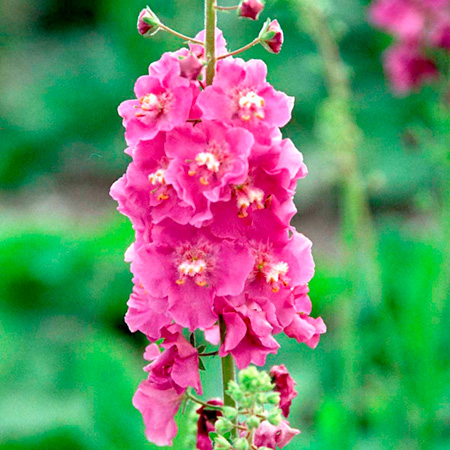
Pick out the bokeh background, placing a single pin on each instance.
(69, 366)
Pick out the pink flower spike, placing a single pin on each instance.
(271, 36)
(285, 385)
(250, 8)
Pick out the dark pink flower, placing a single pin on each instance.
(303, 328)
(240, 95)
(190, 267)
(207, 160)
(271, 36)
(408, 69)
(285, 385)
(249, 335)
(251, 8)
(164, 101)
(271, 436)
(146, 313)
(205, 425)
(440, 34)
(148, 23)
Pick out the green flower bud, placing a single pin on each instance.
(240, 444)
(229, 412)
(221, 442)
(253, 422)
(148, 23)
(274, 416)
(273, 398)
(223, 425)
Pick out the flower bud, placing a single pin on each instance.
(148, 23)
(253, 422)
(229, 412)
(221, 442)
(274, 416)
(251, 8)
(271, 36)
(190, 67)
(240, 444)
(273, 398)
(223, 426)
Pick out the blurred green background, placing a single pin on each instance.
(69, 366)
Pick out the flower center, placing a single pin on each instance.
(193, 262)
(274, 272)
(247, 196)
(209, 163)
(157, 179)
(251, 105)
(152, 105)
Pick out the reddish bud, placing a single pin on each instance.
(271, 36)
(148, 23)
(190, 67)
(251, 8)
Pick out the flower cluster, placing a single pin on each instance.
(209, 193)
(422, 32)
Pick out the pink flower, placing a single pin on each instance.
(159, 397)
(146, 313)
(206, 420)
(177, 366)
(190, 66)
(271, 36)
(408, 69)
(262, 205)
(402, 17)
(240, 95)
(249, 335)
(207, 160)
(190, 267)
(143, 193)
(250, 8)
(158, 407)
(199, 50)
(285, 385)
(303, 328)
(280, 265)
(271, 436)
(164, 100)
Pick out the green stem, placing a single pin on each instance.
(206, 405)
(210, 40)
(228, 369)
(242, 49)
(227, 8)
(181, 36)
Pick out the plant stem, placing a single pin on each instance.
(228, 369)
(181, 36)
(196, 400)
(227, 8)
(242, 49)
(210, 40)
